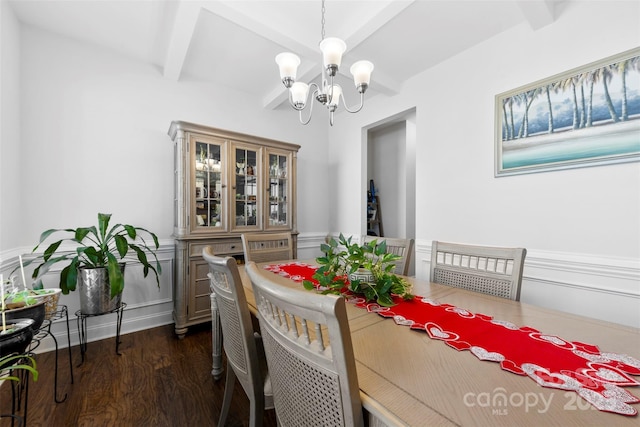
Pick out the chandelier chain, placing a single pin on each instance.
(323, 10)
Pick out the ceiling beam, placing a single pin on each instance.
(538, 13)
(181, 35)
(258, 27)
(382, 82)
(373, 24)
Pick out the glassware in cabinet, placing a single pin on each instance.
(278, 190)
(246, 186)
(208, 158)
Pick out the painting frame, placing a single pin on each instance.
(588, 138)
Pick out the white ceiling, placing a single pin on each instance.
(235, 42)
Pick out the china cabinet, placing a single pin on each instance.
(225, 184)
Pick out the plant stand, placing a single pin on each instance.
(82, 327)
(16, 420)
(43, 332)
(19, 398)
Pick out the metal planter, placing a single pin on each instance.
(95, 290)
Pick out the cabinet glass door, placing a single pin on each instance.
(247, 197)
(208, 186)
(278, 190)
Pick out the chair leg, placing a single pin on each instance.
(256, 413)
(228, 395)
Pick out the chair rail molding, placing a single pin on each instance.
(601, 287)
(598, 286)
(309, 244)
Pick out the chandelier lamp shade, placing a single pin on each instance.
(327, 93)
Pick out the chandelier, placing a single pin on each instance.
(328, 93)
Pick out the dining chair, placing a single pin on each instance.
(309, 352)
(486, 269)
(242, 346)
(263, 247)
(396, 246)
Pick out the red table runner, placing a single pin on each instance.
(549, 360)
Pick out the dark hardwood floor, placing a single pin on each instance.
(157, 381)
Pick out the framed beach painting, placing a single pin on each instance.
(585, 117)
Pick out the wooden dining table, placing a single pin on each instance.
(408, 378)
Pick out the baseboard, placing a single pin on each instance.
(134, 318)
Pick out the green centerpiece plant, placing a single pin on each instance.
(365, 270)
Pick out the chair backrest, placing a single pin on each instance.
(309, 352)
(263, 247)
(487, 269)
(239, 342)
(401, 247)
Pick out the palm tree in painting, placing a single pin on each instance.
(527, 99)
(520, 99)
(511, 120)
(590, 77)
(506, 130)
(583, 118)
(550, 88)
(623, 67)
(605, 74)
(569, 85)
(507, 114)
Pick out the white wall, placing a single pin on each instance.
(89, 134)
(581, 226)
(392, 164)
(95, 129)
(10, 207)
(387, 169)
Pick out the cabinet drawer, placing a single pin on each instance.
(222, 247)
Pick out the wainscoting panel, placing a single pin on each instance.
(148, 306)
(309, 245)
(604, 288)
(600, 287)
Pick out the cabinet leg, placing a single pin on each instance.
(181, 332)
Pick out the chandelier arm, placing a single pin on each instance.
(313, 95)
(358, 108)
(330, 92)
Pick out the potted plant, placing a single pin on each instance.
(98, 260)
(365, 270)
(14, 361)
(21, 314)
(10, 364)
